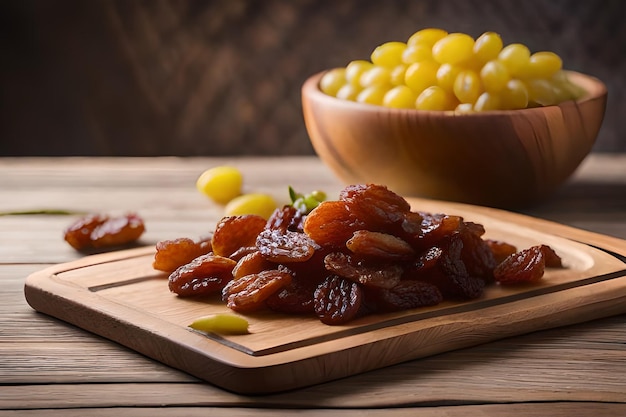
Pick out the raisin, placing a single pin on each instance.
(380, 208)
(525, 266)
(477, 255)
(313, 270)
(278, 246)
(235, 232)
(286, 218)
(406, 295)
(331, 224)
(552, 259)
(78, 234)
(451, 276)
(250, 292)
(170, 254)
(501, 250)
(252, 263)
(432, 229)
(204, 275)
(439, 226)
(429, 258)
(102, 231)
(475, 228)
(379, 245)
(116, 231)
(337, 300)
(425, 261)
(374, 275)
(243, 252)
(295, 298)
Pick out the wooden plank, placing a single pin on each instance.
(120, 297)
(552, 409)
(68, 396)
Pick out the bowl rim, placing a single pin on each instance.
(594, 89)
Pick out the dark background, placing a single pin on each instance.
(223, 77)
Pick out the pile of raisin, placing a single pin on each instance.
(364, 253)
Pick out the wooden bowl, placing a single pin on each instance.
(502, 159)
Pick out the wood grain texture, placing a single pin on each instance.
(52, 368)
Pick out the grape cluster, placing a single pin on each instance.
(437, 70)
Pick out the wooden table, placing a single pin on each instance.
(48, 367)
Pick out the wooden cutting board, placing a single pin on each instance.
(119, 296)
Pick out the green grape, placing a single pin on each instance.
(355, 69)
(396, 75)
(333, 80)
(487, 47)
(515, 58)
(453, 48)
(540, 92)
(435, 98)
(487, 101)
(514, 95)
(319, 195)
(305, 203)
(428, 36)
(494, 76)
(417, 53)
(446, 74)
(372, 95)
(400, 97)
(376, 76)
(543, 65)
(221, 183)
(467, 86)
(421, 75)
(388, 54)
